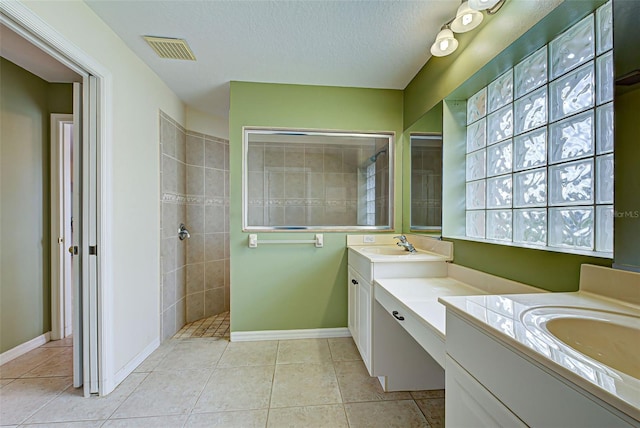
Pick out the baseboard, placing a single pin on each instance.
(22, 349)
(135, 362)
(313, 333)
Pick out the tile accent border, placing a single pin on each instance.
(312, 333)
(25, 347)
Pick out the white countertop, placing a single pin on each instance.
(420, 296)
(501, 317)
(418, 256)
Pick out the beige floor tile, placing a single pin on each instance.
(60, 364)
(303, 351)
(176, 421)
(309, 417)
(356, 385)
(305, 385)
(420, 395)
(240, 354)
(72, 405)
(164, 393)
(385, 414)
(236, 388)
(193, 354)
(66, 342)
(4, 382)
(152, 361)
(23, 397)
(239, 419)
(433, 411)
(77, 424)
(27, 362)
(344, 349)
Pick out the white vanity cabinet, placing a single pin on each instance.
(362, 272)
(360, 307)
(490, 384)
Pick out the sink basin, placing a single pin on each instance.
(608, 337)
(388, 251)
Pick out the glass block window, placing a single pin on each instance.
(539, 159)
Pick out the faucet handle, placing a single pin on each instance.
(402, 238)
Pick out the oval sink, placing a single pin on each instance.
(607, 337)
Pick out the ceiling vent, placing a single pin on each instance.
(169, 48)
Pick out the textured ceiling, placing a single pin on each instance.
(353, 43)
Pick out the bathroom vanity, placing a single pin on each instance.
(553, 359)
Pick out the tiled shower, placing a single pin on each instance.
(194, 179)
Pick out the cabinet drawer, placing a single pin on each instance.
(418, 329)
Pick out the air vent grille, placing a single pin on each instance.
(169, 48)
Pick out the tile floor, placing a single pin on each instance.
(213, 383)
(215, 326)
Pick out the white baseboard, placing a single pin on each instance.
(312, 333)
(135, 362)
(22, 349)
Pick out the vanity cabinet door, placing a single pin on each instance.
(469, 404)
(364, 322)
(353, 305)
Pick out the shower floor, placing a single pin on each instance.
(215, 326)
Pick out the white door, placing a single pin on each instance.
(84, 183)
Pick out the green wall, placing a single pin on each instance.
(25, 104)
(297, 286)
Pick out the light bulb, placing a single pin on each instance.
(466, 19)
(443, 45)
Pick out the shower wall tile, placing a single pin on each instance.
(195, 278)
(195, 249)
(195, 154)
(181, 143)
(215, 274)
(169, 323)
(215, 218)
(332, 160)
(181, 283)
(181, 313)
(194, 190)
(213, 301)
(195, 306)
(214, 155)
(294, 185)
(214, 183)
(195, 180)
(168, 290)
(214, 246)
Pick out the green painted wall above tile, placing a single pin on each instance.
(283, 287)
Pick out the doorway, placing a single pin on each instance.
(74, 308)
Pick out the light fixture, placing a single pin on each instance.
(466, 18)
(491, 6)
(445, 43)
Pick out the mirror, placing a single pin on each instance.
(317, 180)
(426, 182)
(422, 174)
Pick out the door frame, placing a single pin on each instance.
(61, 307)
(21, 19)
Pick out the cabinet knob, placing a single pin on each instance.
(398, 317)
(354, 282)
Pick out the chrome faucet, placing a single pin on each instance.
(404, 243)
